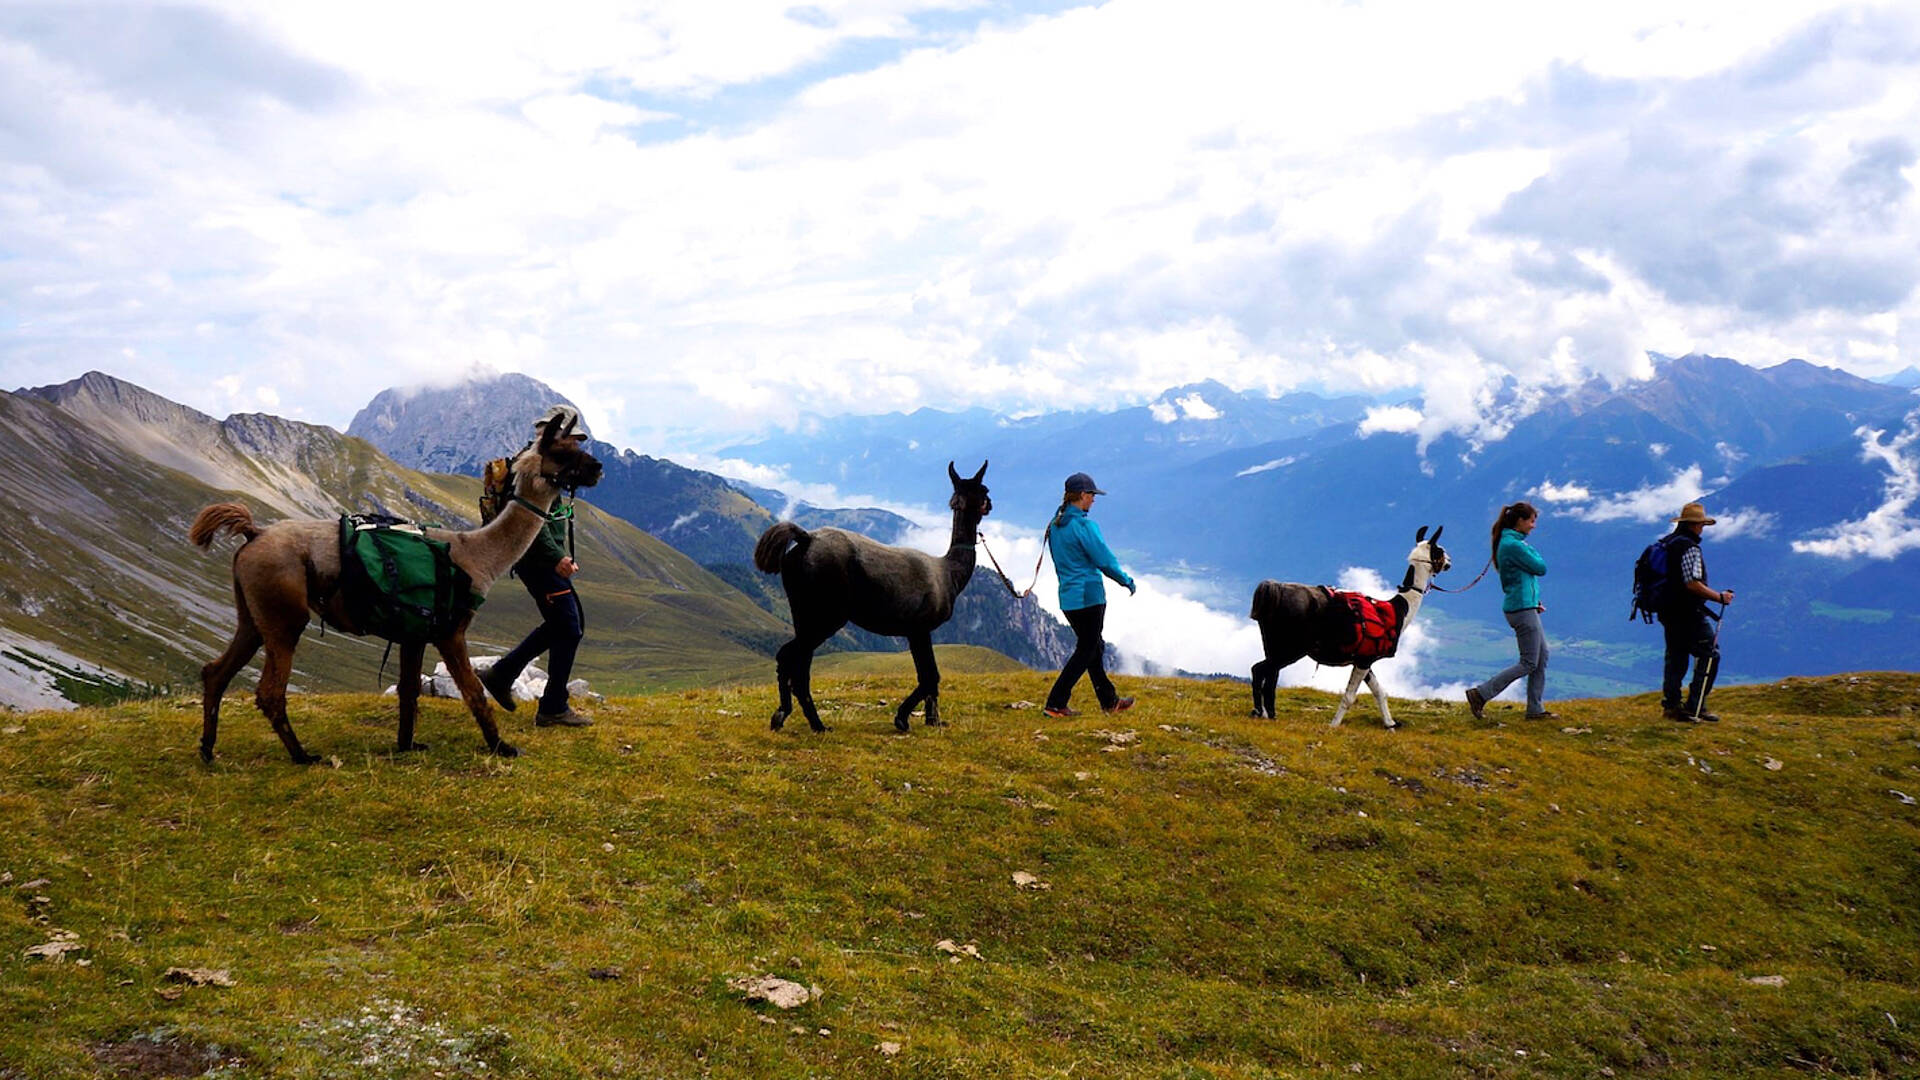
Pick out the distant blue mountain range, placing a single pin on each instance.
(1228, 488)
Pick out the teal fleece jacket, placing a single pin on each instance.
(1521, 568)
(1080, 556)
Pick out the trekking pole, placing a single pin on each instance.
(1713, 663)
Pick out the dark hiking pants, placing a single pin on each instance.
(1089, 658)
(558, 635)
(1689, 634)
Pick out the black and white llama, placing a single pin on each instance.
(834, 577)
(1312, 620)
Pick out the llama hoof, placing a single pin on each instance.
(206, 754)
(901, 724)
(410, 748)
(504, 749)
(818, 727)
(779, 719)
(934, 721)
(304, 758)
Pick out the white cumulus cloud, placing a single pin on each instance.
(1395, 419)
(1654, 502)
(1563, 493)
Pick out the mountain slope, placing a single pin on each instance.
(95, 508)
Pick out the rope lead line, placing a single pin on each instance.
(1468, 585)
(1017, 595)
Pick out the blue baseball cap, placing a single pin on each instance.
(1080, 483)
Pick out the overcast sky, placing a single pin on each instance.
(701, 218)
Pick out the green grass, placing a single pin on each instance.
(1226, 897)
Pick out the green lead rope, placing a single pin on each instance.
(562, 512)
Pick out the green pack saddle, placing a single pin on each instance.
(399, 585)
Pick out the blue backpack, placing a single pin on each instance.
(1656, 576)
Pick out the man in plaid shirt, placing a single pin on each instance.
(1688, 626)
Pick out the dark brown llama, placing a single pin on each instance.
(834, 577)
(1302, 620)
(288, 571)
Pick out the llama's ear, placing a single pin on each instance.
(1421, 535)
(981, 473)
(550, 433)
(953, 476)
(1437, 532)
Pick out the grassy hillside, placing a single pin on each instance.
(1211, 896)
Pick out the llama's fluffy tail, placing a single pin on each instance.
(773, 544)
(213, 520)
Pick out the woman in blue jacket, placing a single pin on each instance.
(1080, 557)
(1520, 568)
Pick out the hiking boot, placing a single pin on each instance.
(1678, 716)
(1477, 703)
(1121, 705)
(501, 694)
(1543, 714)
(570, 718)
(1060, 711)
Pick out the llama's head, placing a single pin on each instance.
(969, 494)
(1427, 550)
(557, 462)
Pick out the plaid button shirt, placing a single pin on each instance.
(1693, 566)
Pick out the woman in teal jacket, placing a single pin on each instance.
(1520, 568)
(1080, 557)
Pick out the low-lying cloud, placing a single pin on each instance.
(1891, 529)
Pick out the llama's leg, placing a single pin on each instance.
(927, 688)
(804, 644)
(783, 670)
(803, 684)
(1380, 695)
(1276, 653)
(215, 677)
(454, 651)
(271, 694)
(409, 692)
(1265, 675)
(1346, 699)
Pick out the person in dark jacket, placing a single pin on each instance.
(1521, 569)
(1080, 558)
(1685, 621)
(547, 570)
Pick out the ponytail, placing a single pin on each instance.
(1510, 515)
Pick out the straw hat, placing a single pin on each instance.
(1693, 514)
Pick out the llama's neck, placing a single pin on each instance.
(1413, 587)
(960, 549)
(487, 553)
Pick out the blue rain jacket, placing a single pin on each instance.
(1080, 556)
(1520, 570)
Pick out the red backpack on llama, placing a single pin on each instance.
(1376, 627)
